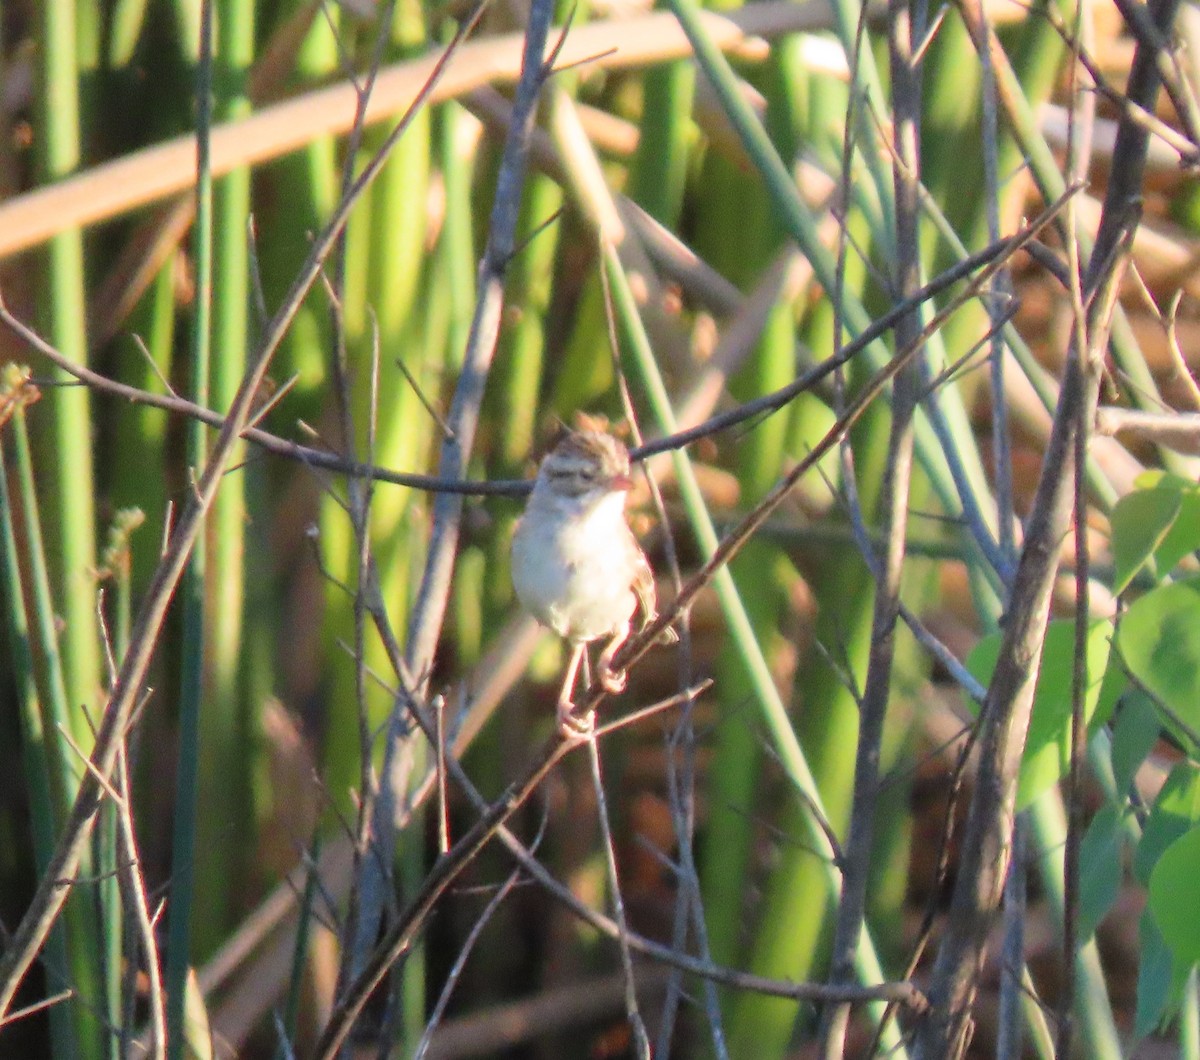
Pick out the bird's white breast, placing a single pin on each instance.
(571, 568)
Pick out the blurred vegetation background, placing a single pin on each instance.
(267, 684)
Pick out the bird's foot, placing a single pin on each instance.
(612, 681)
(572, 726)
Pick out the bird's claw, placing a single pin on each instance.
(613, 681)
(572, 726)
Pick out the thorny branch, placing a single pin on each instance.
(401, 934)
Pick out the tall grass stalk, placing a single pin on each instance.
(230, 728)
(66, 58)
(39, 748)
(70, 512)
(179, 920)
(456, 248)
(141, 430)
(125, 26)
(305, 188)
(660, 168)
(83, 941)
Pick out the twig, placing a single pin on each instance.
(443, 873)
(1009, 1022)
(1179, 366)
(37, 1006)
(637, 1026)
(1154, 40)
(1175, 430)
(443, 808)
(133, 888)
(140, 343)
(941, 861)
(425, 621)
(903, 993)
(986, 261)
(906, 25)
(1185, 146)
(439, 1008)
(423, 398)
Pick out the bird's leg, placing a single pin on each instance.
(568, 725)
(613, 680)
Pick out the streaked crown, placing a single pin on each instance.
(586, 461)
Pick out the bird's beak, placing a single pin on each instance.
(620, 482)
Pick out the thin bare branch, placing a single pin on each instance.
(641, 1040)
(986, 844)
(906, 26)
(327, 460)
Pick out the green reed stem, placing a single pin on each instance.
(69, 493)
(38, 747)
(82, 941)
(179, 920)
(229, 723)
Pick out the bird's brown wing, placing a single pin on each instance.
(647, 596)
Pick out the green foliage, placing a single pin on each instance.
(1159, 639)
(1099, 869)
(1175, 896)
(1135, 732)
(1176, 811)
(1160, 521)
(1140, 521)
(1159, 979)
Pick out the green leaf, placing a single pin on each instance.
(1112, 687)
(1099, 869)
(1047, 748)
(1159, 638)
(1134, 734)
(1175, 896)
(1140, 522)
(1156, 478)
(1176, 811)
(1184, 536)
(1156, 976)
